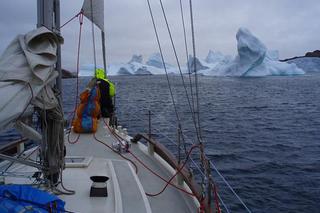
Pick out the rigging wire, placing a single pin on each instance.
(201, 172)
(179, 67)
(194, 67)
(71, 19)
(93, 38)
(187, 54)
(164, 65)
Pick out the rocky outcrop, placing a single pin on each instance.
(315, 53)
(68, 74)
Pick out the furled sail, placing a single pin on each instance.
(26, 75)
(94, 11)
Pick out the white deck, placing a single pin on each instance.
(170, 200)
(126, 189)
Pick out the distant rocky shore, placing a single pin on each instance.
(68, 74)
(314, 54)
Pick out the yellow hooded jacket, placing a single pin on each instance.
(99, 74)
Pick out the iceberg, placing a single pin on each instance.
(200, 65)
(155, 60)
(136, 66)
(214, 57)
(308, 64)
(143, 71)
(136, 58)
(254, 59)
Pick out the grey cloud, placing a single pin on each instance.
(291, 26)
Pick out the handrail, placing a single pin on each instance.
(165, 154)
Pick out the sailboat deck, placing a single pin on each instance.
(170, 200)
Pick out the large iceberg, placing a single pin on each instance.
(254, 59)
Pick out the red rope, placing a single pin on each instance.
(168, 182)
(94, 136)
(77, 82)
(215, 193)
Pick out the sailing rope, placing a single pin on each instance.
(177, 172)
(121, 155)
(168, 182)
(77, 81)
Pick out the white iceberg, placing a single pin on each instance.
(308, 64)
(155, 60)
(199, 64)
(136, 58)
(254, 59)
(214, 57)
(136, 66)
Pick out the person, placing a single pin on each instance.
(107, 91)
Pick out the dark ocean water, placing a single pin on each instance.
(261, 133)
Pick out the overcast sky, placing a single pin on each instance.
(290, 26)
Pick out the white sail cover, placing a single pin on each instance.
(26, 74)
(94, 11)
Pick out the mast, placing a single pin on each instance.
(49, 16)
(104, 52)
(52, 144)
